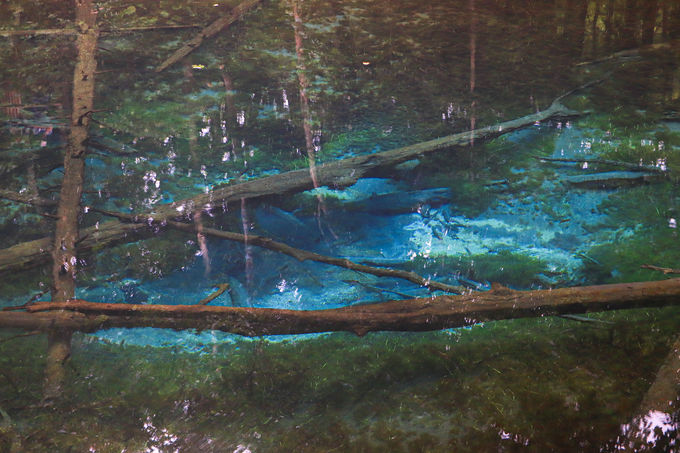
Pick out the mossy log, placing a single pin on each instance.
(423, 314)
(340, 173)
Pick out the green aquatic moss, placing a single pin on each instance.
(550, 381)
(620, 261)
(505, 267)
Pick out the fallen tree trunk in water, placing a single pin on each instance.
(424, 314)
(340, 173)
(208, 32)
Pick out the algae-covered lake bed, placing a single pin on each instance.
(347, 226)
(549, 384)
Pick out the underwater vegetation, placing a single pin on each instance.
(543, 385)
(513, 269)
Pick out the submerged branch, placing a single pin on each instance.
(209, 31)
(304, 255)
(423, 314)
(612, 163)
(221, 288)
(665, 270)
(26, 198)
(340, 173)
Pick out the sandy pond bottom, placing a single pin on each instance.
(547, 384)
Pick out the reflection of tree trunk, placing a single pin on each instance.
(608, 24)
(665, 10)
(304, 106)
(473, 82)
(66, 230)
(590, 39)
(576, 23)
(304, 84)
(649, 13)
(629, 32)
(248, 253)
(202, 242)
(230, 107)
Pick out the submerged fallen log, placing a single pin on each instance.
(340, 173)
(207, 32)
(606, 162)
(423, 314)
(611, 179)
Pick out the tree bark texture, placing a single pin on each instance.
(423, 314)
(64, 256)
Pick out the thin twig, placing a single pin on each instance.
(21, 335)
(221, 288)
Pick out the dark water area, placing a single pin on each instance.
(280, 129)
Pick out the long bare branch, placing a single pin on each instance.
(405, 315)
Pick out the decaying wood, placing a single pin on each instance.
(611, 179)
(26, 198)
(665, 270)
(304, 255)
(340, 173)
(613, 163)
(665, 390)
(64, 253)
(423, 314)
(211, 30)
(221, 288)
(35, 253)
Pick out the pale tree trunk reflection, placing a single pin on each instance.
(304, 108)
(473, 79)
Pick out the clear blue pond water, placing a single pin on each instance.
(290, 87)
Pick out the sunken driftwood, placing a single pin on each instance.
(424, 314)
(26, 198)
(611, 179)
(209, 31)
(304, 255)
(665, 270)
(221, 288)
(341, 173)
(612, 163)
